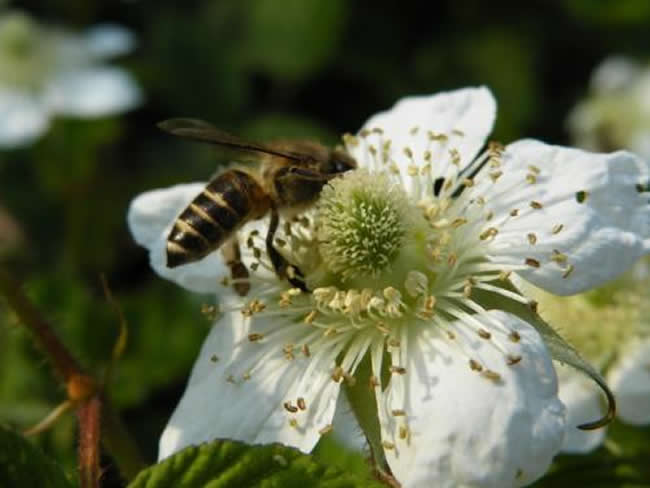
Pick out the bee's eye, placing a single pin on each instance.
(341, 166)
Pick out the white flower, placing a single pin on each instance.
(407, 260)
(611, 327)
(616, 112)
(46, 72)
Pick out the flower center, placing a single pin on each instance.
(24, 57)
(363, 220)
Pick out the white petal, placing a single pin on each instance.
(109, 40)
(583, 401)
(578, 245)
(614, 74)
(150, 218)
(630, 381)
(465, 116)
(220, 403)
(23, 118)
(93, 92)
(466, 429)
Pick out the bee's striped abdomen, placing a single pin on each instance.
(223, 206)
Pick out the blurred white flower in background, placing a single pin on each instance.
(616, 112)
(611, 328)
(46, 71)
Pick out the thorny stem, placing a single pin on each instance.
(82, 391)
(89, 416)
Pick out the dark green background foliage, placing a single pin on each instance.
(260, 68)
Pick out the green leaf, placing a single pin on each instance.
(24, 465)
(225, 464)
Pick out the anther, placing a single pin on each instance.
(511, 360)
(290, 408)
(491, 375)
(255, 337)
(532, 239)
(337, 374)
(514, 212)
(398, 413)
(533, 263)
(536, 205)
(388, 445)
(397, 369)
(557, 228)
(373, 382)
(475, 365)
(301, 403)
(514, 336)
(305, 350)
(568, 271)
(484, 334)
(214, 358)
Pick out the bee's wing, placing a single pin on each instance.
(198, 130)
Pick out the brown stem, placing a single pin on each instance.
(82, 390)
(64, 364)
(89, 416)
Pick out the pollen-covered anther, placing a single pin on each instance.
(394, 304)
(514, 212)
(398, 413)
(288, 351)
(512, 359)
(484, 334)
(532, 262)
(210, 312)
(489, 233)
(474, 365)
(532, 238)
(559, 257)
(255, 337)
(337, 374)
(568, 271)
(416, 283)
(536, 205)
(404, 432)
(514, 336)
(290, 408)
(491, 375)
(495, 175)
(252, 307)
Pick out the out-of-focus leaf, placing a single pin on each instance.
(230, 464)
(293, 39)
(24, 465)
(280, 126)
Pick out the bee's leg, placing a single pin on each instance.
(282, 267)
(238, 270)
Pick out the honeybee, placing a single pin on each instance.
(289, 177)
